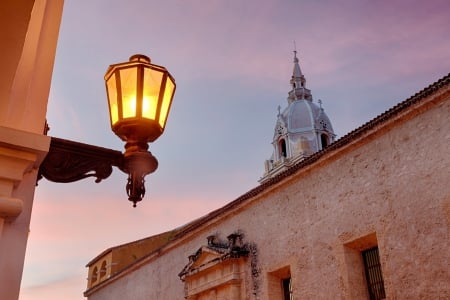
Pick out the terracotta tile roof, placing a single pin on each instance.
(150, 244)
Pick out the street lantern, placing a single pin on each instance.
(139, 96)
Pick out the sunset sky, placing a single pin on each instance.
(232, 61)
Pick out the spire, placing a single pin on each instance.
(296, 73)
(298, 83)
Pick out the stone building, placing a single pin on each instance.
(363, 217)
(28, 35)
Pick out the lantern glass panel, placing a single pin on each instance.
(168, 93)
(112, 96)
(152, 85)
(128, 78)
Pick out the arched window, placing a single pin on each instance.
(94, 275)
(324, 140)
(103, 269)
(282, 148)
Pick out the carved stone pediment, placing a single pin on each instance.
(205, 256)
(216, 269)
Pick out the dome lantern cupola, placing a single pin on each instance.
(298, 83)
(301, 129)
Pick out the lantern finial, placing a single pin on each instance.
(140, 58)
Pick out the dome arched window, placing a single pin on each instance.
(282, 148)
(324, 140)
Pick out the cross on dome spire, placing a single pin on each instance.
(295, 52)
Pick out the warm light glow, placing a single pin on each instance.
(149, 107)
(128, 78)
(112, 92)
(139, 95)
(152, 85)
(114, 113)
(129, 106)
(166, 102)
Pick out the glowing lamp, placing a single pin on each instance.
(139, 97)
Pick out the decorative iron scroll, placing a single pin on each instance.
(69, 161)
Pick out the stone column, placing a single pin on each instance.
(29, 32)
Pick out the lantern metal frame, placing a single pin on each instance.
(69, 161)
(138, 127)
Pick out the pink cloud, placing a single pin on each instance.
(67, 232)
(70, 288)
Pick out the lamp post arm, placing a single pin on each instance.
(69, 161)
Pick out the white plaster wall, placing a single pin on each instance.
(396, 185)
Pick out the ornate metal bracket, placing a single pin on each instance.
(69, 161)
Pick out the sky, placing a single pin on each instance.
(232, 61)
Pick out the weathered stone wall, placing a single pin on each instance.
(389, 189)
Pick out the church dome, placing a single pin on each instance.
(302, 128)
(304, 115)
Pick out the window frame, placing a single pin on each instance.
(286, 286)
(374, 273)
